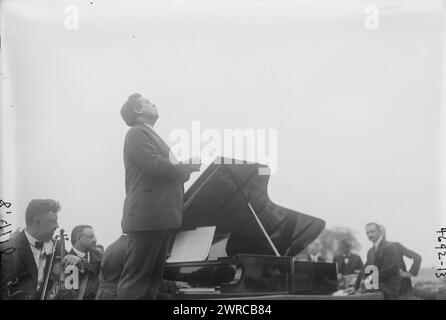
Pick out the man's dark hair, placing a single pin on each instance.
(37, 207)
(128, 113)
(374, 224)
(77, 232)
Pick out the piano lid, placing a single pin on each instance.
(223, 196)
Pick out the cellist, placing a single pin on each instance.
(23, 267)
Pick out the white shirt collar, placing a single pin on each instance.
(376, 244)
(314, 257)
(47, 246)
(79, 253)
(32, 241)
(146, 124)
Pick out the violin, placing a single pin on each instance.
(54, 287)
(54, 277)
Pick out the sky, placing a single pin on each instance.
(358, 111)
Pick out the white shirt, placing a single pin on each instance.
(82, 254)
(376, 244)
(39, 256)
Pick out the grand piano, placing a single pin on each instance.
(255, 240)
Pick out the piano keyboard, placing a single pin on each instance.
(198, 290)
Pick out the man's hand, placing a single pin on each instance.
(346, 292)
(350, 291)
(71, 260)
(404, 274)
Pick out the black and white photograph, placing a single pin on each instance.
(242, 151)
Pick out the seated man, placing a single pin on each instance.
(348, 264)
(27, 255)
(314, 254)
(111, 269)
(84, 242)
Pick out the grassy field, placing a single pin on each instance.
(426, 275)
(428, 286)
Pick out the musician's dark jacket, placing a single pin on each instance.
(111, 269)
(153, 184)
(387, 260)
(18, 269)
(91, 268)
(354, 264)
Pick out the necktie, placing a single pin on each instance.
(38, 245)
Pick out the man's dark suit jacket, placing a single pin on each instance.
(153, 184)
(111, 269)
(354, 263)
(406, 283)
(91, 268)
(20, 268)
(387, 260)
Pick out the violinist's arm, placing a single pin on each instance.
(81, 263)
(85, 266)
(70, 259)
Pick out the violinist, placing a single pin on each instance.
(84, 242)
(23, 269)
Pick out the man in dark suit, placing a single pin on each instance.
(406, 282)
(84, 242)
(153, 204)
(24, 266)
(111, 269)
(384, 255)
(347, 263)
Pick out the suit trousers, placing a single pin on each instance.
(144, 264)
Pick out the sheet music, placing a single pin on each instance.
(218, 247)
(192, 245)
